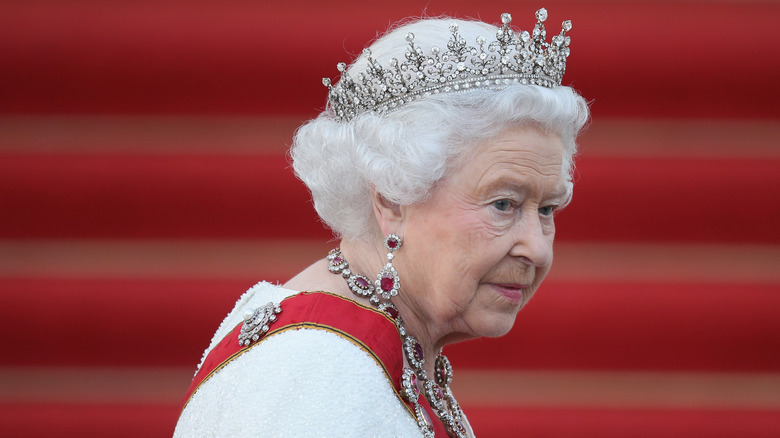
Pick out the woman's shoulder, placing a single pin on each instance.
(257, 295)
(366, 327)
(298, 383)
(314, 380)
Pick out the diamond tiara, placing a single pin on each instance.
(524, 58)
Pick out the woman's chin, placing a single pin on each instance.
(497, 325)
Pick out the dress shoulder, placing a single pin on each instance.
(305, 381)
(298, 383)
(257, 295)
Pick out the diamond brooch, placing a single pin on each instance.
(257, 322)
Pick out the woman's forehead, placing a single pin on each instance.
(518, 149)
(518, 160)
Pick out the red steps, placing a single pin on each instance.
(496, 421)
(255, 196)
(130, 420)
(657, 59)
(638, 326)
(674, 199)
(147, 196)
(114, 321)
(592, 326)
(149, 420)
(645, 58)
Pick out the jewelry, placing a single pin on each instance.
(387, 280)
(493, 63)
(257, 322)
(437, 391)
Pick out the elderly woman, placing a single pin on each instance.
(441, 161)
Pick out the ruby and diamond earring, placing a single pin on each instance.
(387, 282)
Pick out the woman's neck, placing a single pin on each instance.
(367, 258)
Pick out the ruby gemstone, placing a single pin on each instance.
(387, 284)
(361, 282)
(337, 260)
(392, 243)
(418, 352)
(392, 312)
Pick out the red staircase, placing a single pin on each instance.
(144, 186)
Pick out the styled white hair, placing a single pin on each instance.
(402, 154)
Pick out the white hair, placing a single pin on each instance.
(402, 154)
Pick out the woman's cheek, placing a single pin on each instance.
(497, 223)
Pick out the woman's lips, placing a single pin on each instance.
(511, 291)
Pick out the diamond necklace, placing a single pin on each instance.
(437, 392)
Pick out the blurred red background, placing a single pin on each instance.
(144, 186)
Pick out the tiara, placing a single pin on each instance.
(524, 58)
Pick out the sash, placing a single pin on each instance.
(367, 328)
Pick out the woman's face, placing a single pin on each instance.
(476, 251)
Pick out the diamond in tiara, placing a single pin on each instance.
(491, 63)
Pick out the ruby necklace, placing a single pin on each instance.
(436, 391)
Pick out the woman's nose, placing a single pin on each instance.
(533, 243)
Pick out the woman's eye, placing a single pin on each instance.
(547, 210)
(502, 204)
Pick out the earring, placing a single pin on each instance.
(387, 281)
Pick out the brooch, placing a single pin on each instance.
(257, 322)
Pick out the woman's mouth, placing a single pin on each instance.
(511, 291)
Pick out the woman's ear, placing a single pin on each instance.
(389, 215)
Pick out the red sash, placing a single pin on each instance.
(369, 329)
